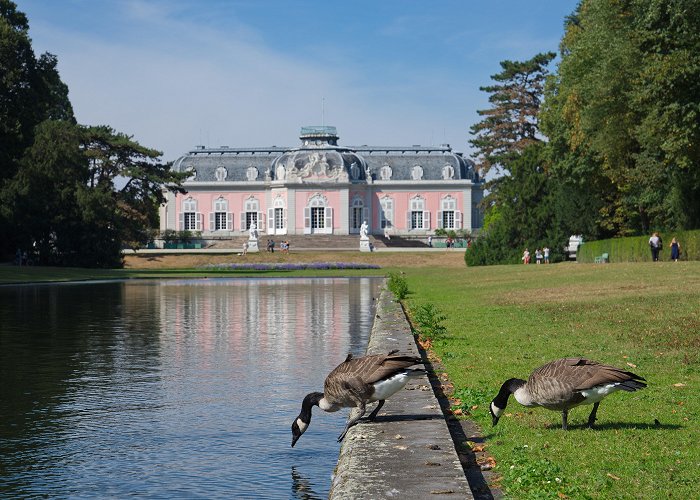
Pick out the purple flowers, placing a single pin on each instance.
(289, 266)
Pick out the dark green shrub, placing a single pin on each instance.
(398, 286)
(428, 319)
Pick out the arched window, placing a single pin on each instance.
(277, 217)
(448, 172)
(190, 219)
(417, 217)
(358, 213)
(318, 216)
(220, 219)
(251, 213)
(448, 215)
(386, 216)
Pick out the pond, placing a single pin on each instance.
(173, 388)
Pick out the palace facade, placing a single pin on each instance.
(323, 188)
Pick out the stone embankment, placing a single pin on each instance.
(407, 452)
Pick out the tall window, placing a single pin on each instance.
(418, 217)
(448, 216)
(189, 218)
(220, 219)
(386, 217)
(250, 214)
(318, 217)
(358, 213)
(277, 217)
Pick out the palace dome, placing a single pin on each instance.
(319, 156)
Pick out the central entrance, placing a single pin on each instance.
(318, 216)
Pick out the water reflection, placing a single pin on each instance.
(172, 389)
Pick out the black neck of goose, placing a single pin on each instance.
(509, 387)
(312, 399)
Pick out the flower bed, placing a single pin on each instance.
(288, 266)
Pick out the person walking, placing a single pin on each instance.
(655, 244)
(538, 256)
(546, 255)
(675, 250)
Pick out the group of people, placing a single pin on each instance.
(541, 256)
(656, 244)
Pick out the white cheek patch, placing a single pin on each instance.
(302, 426)
(496, 410)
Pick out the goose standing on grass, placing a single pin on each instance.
(356, 382)
(565, 383)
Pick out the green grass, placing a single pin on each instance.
(504, 321)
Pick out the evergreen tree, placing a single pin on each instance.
(510, 125)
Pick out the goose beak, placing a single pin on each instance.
(295, 439)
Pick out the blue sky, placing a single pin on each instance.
(176, 73)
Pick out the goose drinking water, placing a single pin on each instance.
(356, 382)
(565, 383)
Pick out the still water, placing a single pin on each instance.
(173, 388)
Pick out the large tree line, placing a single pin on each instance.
(607, 144)
(70, 194)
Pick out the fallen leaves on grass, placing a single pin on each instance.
(613, 476)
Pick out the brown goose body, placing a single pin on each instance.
(564, 384)
(356, 382)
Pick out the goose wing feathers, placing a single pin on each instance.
(562, 379)
(358, 374)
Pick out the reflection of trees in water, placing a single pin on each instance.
(302, 487)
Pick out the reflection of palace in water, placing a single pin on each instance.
(300, 316)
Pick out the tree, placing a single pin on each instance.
(510, 125)
(65, 200)
(31, 91)
(624, 109)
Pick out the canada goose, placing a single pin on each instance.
(565, 383)
(356, 382)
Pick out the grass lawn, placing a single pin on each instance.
(504, 321)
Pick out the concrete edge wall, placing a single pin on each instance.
(407, 452)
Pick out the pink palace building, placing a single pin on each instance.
(323, 188)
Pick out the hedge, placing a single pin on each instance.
(636, 248)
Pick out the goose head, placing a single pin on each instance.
(499, 403)
(301, 423)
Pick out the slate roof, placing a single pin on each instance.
(401, 160)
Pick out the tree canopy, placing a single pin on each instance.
(620, 121)
(72, 194)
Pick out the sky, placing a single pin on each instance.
(250, 73)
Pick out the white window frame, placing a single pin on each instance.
(190, 219)
(358, 214)
(311, 225)
(277, 217)
(386, 214)
(448, 210)
(417, 218)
